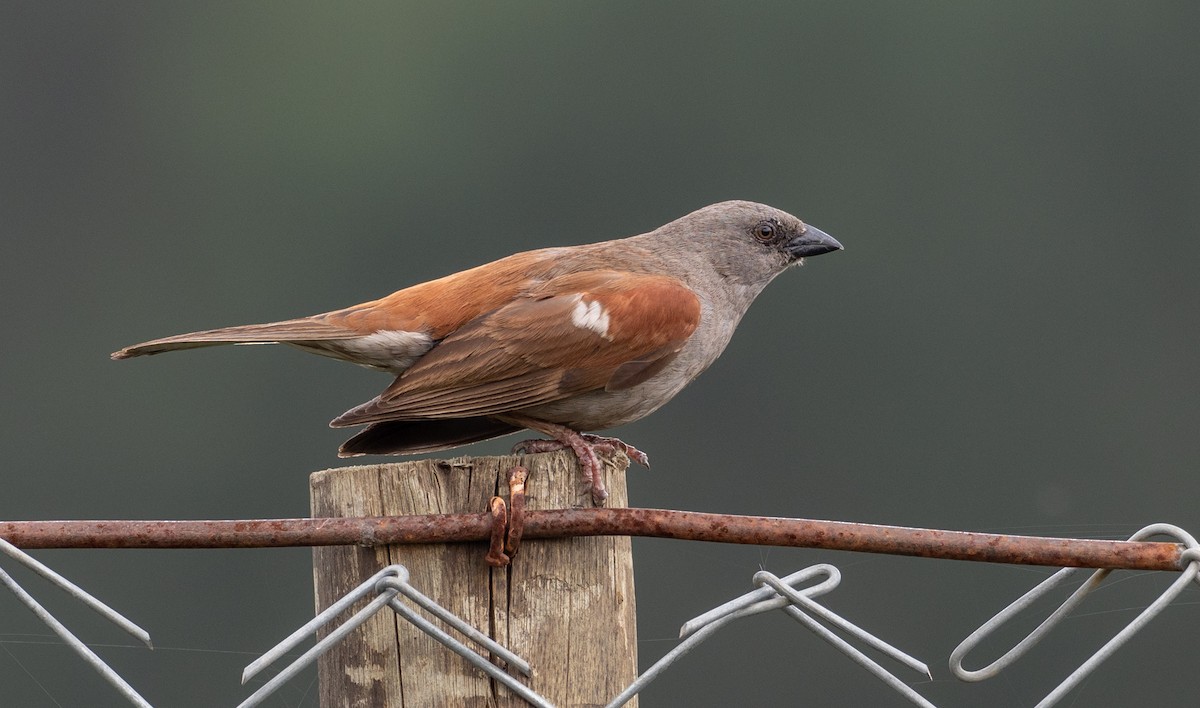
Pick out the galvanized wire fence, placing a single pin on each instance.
(795, 595)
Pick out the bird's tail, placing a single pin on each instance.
(306, 329)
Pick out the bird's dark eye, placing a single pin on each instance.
(764, 231)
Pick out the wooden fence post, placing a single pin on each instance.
(564, 605)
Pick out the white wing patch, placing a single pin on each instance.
(590, 315)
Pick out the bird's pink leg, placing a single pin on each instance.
(585, 446)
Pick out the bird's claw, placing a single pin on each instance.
(585, 452)
(586, 446)
(614, 444)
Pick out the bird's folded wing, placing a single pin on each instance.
(575, 333)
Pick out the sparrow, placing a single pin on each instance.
(557, 340)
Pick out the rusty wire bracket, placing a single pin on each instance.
(508, 525)
(496, 557)
(516, 517)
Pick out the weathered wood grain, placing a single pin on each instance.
(564, 605)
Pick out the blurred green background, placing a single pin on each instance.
(1009, 342)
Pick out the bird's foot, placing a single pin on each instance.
(587, 449)
(585, 452)
(598, 442)
(607, 444)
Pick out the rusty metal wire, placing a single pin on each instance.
(496, 557)
(557, 523)
(517, 477)
(508, 520)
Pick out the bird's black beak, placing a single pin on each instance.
(811, 242)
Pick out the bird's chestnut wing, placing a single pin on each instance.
(574, 333)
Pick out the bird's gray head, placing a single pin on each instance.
(746, 242)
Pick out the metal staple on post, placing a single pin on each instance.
(517, 476)
(776, 593)
(387, 584)
(65, 634)
(1190, 573)
(508, 520)
(496, 557)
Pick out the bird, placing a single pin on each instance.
(563, 341)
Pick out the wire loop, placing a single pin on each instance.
(387, 585)
(783, 593)
(1190, 571)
